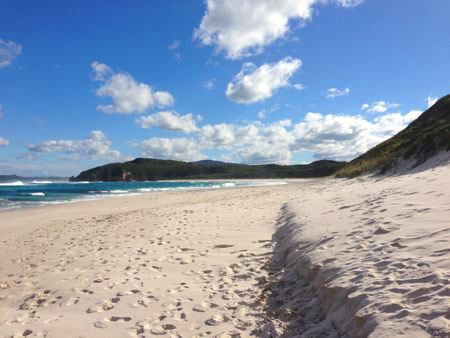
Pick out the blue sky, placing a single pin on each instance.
(289, 81)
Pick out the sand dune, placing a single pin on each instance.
(365, 257)
(314, 258)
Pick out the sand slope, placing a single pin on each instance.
(365, 257)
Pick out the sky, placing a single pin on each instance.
(84, 83)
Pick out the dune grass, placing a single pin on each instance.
(423, 138)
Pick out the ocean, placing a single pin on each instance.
(20, 194)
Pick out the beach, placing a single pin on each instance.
(312, 258)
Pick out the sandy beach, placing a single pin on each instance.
(182, 263)
(225, 169)
(313, 258)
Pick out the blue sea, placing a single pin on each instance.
(21, 194)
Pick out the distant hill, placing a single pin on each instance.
(13, 178)
(6, 178)
(145, 169)
(212, 163)
(426, 136)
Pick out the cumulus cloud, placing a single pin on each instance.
(390, 124)
(343, 137)
(251, 143)
(338, 137)
(266, 143)
(183, 149)
(253, 84)
(431, 100)
(100, 71)
(218, 136)
(330, 136)
(9, 50)
(128, 95)
(4, 141)
(298, 86)
(93, 147)
(170, 121)
(335, 92)
(379, 106)
(244, 27)
(264, 152)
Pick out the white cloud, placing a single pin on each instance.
(339, 137)
(170, 121)
(264, 152)
(431, 100)
(251, 143)
(262, 114)
(182, 149)
(174, 45)
(266, 143)
(255, 84)
(128, 95)
(218, 136)
(209, 84)
(298, 86)
(4, 141)
(390, 124)
(379, 106)
(94, 147)
(9, 50)
(343, 137)
(350, 3)
(101, 72)
(244, 27)
(335, 92)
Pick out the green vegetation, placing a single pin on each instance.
(142, 169)
(423, 138)
(11, 178)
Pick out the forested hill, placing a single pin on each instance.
(144, 169)
(428, 135)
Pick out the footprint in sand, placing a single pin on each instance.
(180, 316)
(72, 301)
(222, 246)
(100, 324)
(106, 305)
(35, 300)
(119, 319)
(229, 334)
(204, 306)
(215, 320)
(162, 329)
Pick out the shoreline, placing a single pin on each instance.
(141, 191)
(365, 257)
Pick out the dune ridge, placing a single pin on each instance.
(371, 261)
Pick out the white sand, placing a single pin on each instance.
(351, 258)
(182, 264)
(365, 257)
